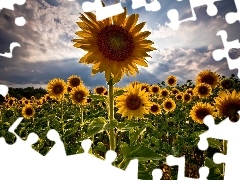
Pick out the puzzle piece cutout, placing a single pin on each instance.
(180, 162)
(219, 54)
(19, 21)
(232, 17)
(101, 11)
(56, 164)
(225, 130)
(153, 6)
(174, 16)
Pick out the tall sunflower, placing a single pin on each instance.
(133, 103)
(114, 45)
(169, 105)
(74, 81)
(28, 111)
(171, 80)
(79, 95)
(202, 90)
(200, 110)
(56, 88)
(208, 77)
(155, 89)
(228, 104)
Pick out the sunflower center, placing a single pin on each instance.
(203, 90)
(230, 110)
(155, 89)
(168, 105)
(134, 102)
(164, 93)
(100, 90)
(146, 88)
(115, 43)
(154, 108)
(208, 79)
(186, 97)
(174, 91)
(75, 82)
(202, 113)
(58, 89)
(179, 97)
(29, 111)
(171, 81)
(78, 96)
(10, 102)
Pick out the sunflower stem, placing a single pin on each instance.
(111, 114)
(224, 152)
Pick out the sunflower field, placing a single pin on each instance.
(150, 121)
(141, 120)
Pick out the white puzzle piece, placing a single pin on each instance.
(219, 54)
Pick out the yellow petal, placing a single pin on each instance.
(119, 19)
(137, 28)
(131, 21)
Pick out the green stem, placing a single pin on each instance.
(224, 152)
(111, 115)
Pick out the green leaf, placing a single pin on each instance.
(96, 126)
(112, 124)
(134, 134)
(97, 97)
(141, 153)
(71, 131)
(119, 92)
(101, 147)
(214, 143)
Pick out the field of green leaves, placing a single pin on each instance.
(168, 120)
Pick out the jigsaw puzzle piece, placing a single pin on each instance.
(102, 12)
(173, 14)
(9, 135)
(232, 17)
(219, 54)
(10, 4)
(157, 174)
(180, 162)
(153, 6)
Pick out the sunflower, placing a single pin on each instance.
(74, 81)
(115, 45)
(56, 88)
(28, 111)
(171, 80)
(47, 97)
(69, 89)
(135, 82)
(154, 89)
(179, 96)
(227, 83)
(79, 95)
(11, 101)
(228, 104)
(133, 103)
(174, 91)
(164, 93)
(187, 97)
(100, 90)
(208, 77)
(202, 90)
(200, 110)
(190, 91)
(169, 105)
(145, 86)
(155, 109)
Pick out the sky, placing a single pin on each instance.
(47, 51)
